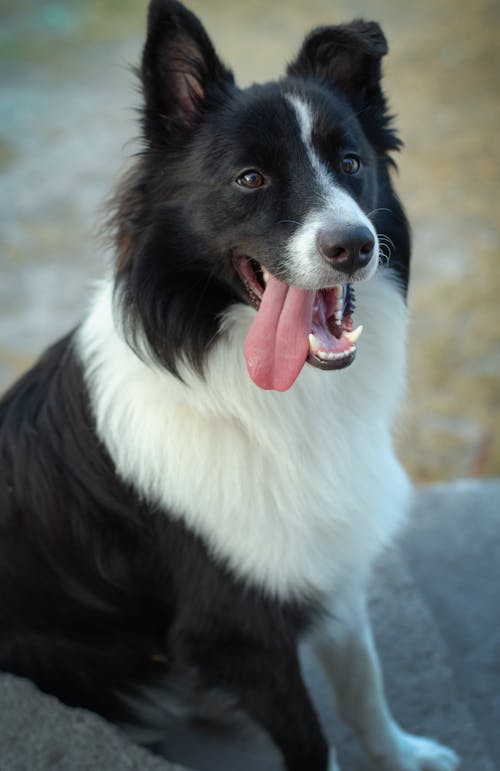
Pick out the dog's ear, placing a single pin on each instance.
(346, 56)
(180, 69)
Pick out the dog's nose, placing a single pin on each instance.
(346, 248)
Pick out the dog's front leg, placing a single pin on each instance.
(269, 687)
(347, 651)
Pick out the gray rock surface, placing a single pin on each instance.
(435, 612)
(37, 733)
(453, 553)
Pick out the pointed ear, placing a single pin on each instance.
(180, 68)
(346, 56)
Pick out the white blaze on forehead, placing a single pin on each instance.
(334, 205)
(305, 120)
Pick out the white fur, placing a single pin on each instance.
(333, 764)
(305, 119)
(295, 491)
(344, 645)
(334, 205)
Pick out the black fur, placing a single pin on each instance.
(102, 593)
(194, 148)
(91, 576)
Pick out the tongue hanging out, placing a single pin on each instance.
(277, 344)
(296, 325)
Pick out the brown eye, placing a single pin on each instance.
(251, 180)
(351, 164)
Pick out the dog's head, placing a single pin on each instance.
(272, 196)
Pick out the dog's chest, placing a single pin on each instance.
(295, 509)
(292, 491)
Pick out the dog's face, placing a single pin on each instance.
(264, 195)
(287, 180)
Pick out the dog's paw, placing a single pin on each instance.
(417, 753)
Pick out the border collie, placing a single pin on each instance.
(202, 473)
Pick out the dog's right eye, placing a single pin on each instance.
(351, 164)
(251, 179)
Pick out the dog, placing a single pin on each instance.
(201, 474)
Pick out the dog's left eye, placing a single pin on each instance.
(351, 164)
(251, 179)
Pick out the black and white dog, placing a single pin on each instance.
(201, 474)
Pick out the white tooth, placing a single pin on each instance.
(338, 317)
(353, 336)
(266, 275)
(313, 342)
(323, 355)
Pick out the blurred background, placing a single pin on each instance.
(67, 125)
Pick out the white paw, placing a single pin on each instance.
(416, 753)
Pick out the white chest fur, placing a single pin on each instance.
(292, 490)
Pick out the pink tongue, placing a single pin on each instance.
(277, 344)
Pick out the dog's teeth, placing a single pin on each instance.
(266, 276)
(314, 342)
(325, 356)
(333, 355)
(339, 305)
(353, 336)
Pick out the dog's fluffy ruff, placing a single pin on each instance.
(287, 491)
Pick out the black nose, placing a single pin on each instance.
(346, 247)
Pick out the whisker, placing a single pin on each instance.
(376, 211)
(384, 258)
(288, 222)
(356, 115)
(387, 248)
(386, 240)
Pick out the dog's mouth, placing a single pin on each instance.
(295, 325)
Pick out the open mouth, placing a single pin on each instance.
(295, 325)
